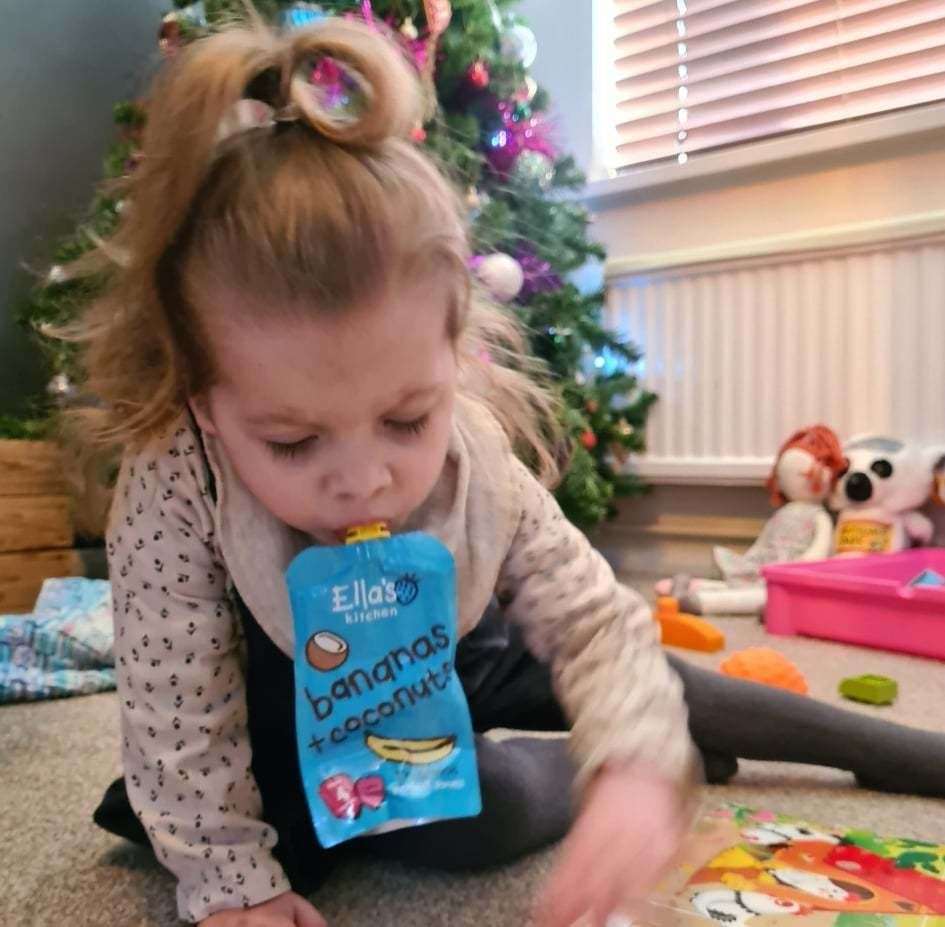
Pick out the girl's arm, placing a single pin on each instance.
(611, 677)
(186, 748)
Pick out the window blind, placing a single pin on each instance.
(695, 75)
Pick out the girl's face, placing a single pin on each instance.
(335, 420)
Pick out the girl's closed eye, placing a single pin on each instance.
(294, 450)
(291, 450)
(413, 427)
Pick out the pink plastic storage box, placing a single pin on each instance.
(861, 600)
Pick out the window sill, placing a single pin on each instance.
(714, 165)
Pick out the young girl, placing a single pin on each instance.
(289, 346)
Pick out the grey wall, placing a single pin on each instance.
(63, 64)
(565, 68)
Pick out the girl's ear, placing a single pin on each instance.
(200, 407)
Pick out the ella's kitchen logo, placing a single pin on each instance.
(401, 591)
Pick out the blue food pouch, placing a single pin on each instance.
(384, 734)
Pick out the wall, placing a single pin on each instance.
(876, 182)
(565, 66)
(63, 64)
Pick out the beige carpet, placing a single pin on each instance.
(58, 870)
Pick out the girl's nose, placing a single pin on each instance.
(360, 480)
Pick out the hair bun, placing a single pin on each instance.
(385, 94)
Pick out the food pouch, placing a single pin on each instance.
(384, 734)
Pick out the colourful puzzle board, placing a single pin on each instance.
(744, 868)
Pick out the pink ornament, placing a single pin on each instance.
(420, 52)
(330, 78)
(366, 14)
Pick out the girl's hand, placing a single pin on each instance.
(622, 842)
(286, 910)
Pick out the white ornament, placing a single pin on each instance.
(534, 167)
(408, 30)
(56, 275)
(502, 276)
(60, 387)
(519, 44)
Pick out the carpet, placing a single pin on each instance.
(59, 870)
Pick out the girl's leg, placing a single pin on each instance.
(525, 782)
(526, 790)
(734, 718)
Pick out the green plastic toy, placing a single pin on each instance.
(875, 690)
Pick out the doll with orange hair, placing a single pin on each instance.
(804, 474)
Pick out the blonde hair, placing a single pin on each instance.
(322, 207)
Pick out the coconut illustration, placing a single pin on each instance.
(326, 651)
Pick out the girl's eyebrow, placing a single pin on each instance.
(292, 417)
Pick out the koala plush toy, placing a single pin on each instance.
(885, 483)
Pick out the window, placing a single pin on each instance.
(699, 75)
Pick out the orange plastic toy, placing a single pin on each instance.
(767, 666)
(681, 630)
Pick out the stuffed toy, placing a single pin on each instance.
(805, 472)
(879, 494)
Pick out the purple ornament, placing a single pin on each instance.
(539, 276)
(338, 89)
(518, 132)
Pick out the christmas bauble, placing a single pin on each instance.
(194, 14)
(61, 388)
(621, 454)
(300, 15)
(534, 167)
(589, 439)
(526, 93)
(501, 275)
(476, 202)
(170, 35)
(478, 74)
(518, 44)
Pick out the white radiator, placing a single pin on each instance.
(744, 352)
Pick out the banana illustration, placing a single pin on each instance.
(415, 752)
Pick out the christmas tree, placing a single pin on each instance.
(490, 129)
